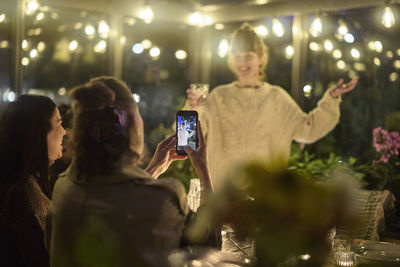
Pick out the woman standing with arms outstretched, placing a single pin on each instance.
(252, 119)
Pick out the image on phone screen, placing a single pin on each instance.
(186, 131)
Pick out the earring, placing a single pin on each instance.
(260, 72)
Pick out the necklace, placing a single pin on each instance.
(248, 86)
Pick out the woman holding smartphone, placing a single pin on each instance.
(106, 210)
(252, 119)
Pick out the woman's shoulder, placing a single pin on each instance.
(277, 92)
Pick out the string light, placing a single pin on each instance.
(198, 19)
(328, 45)
(25, 45)
(389, 54)
(289, 52)
(355, 53)
(394, 76)
(146, 14)
(33, 53)
(277, 28)
(219, 26)
(341, 64)
(2, 17)
(388, 17)
(261, 30)
(307, 90)
(146, 44)
(122, 40)
(342, 30)
(180, 54)
(103, 29)
(377, 61)
(349, 38)
(155, 52)
(137, 48)
(73, 45)
(223, 48)
(378, 46)
(314, 46)
(41, 46)
(100, 47)
(25, 61)
(337, 54)
(40, 16)
(316, 27)
(31, 7)
(396, 64)
(89, 30)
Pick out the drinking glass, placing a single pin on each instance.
(194, 194)
(202, 90)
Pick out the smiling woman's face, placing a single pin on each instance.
(246, 64)
(55, 137)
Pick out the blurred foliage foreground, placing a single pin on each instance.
(287, 214)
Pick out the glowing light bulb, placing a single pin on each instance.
(89, 30)
(219, 26)
(137, 48)
(277, 28)
(146, 44)
(337, 53)
(31, 7)
(100, 47)
(2, 17)
(196, 19)
(342, 30)
(146, 14)
(155, 52)
(25, 61)
(355, 53)
(122, 39)
(180, 54)
(378, 46)
(41, 46)
(289, 52)
(349, 38)
(25, 45)
(316, 27)
(40, 16)
(103, 29)
(73, 45)
(328, 45)
(377, 61)
(223, 48)
(261, 30)
(33, 53)
(307, 90)
(314, 46)
(388, 17)
(341, 64)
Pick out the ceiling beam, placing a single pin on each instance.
(237, 12)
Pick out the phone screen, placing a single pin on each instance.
(186, 131)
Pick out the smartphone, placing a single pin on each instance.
(186, 130)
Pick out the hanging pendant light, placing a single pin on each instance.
(388, 19)
(277, 28)
(316, 27)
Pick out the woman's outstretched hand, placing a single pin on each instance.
(163, 157)
(342, 88)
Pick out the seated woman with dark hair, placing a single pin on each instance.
(107, 211)
(30, 140)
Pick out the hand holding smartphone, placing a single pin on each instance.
(186, 130)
